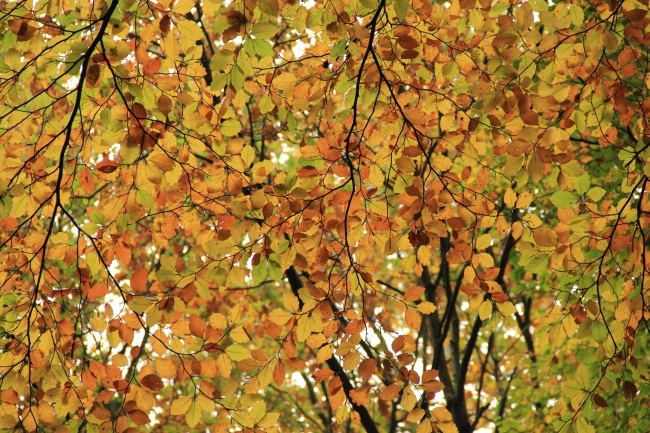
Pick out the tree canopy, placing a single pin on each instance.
(324, 216)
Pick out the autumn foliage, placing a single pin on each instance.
(324, 216)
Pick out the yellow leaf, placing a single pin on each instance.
(258, 411)
(324, 353)
(441, 414)
(424, 255)
(510, 197)
(290, 302)
(279, 316)
(485, 310)
(165, 368)
(408, 399)
(265, 375)
(506, 308)
(239, 335)
(415, 415)
(441, 162)
(427, 307)
(483, 241)
(223, 365)
(193, 415)
(218, 321)
(269, 420)
(180, 405)
(242, 418)
(230, 127)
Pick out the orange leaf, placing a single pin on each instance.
(390, 392)
(359, 397)
(414, 293)
(139, 281)
(279, 374)
(322, 374)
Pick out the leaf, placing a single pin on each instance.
(106, 166)
(599, 331)
(629, 390)
(581, 425)
(139, 281)
(413, 318)
(414, 293)
(390, 392)
(279, 374)
(237, 352)
(426, 307)
(510, 198)
(152, 382)
(193, 415)
(483, 241)
(408, 400)
(181, 405)
(359, 397)
(596, 193)
(441, 414)
(230, 127)
(563, 199)
(545, 238)
(139, 417)
(401, 7)
(485, 310)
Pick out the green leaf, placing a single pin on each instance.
(339, 48)
(596, 193)
(599, 331)
(582, 183)
(577, 15)
(260, 271)
(270, 7)
(261, 47)
(264, 31)
(401, 9)
(539, 5)
(573, 168)
(563, 199)
(237, 352)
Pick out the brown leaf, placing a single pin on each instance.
(139, 417)
(629, 390)
(409, 54)
(93, 74)
(600, 401)
(367, 368)
(107, 166)
(165, 24)
(152, 382)
(408, 42)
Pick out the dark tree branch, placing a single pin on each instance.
(366, 419)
